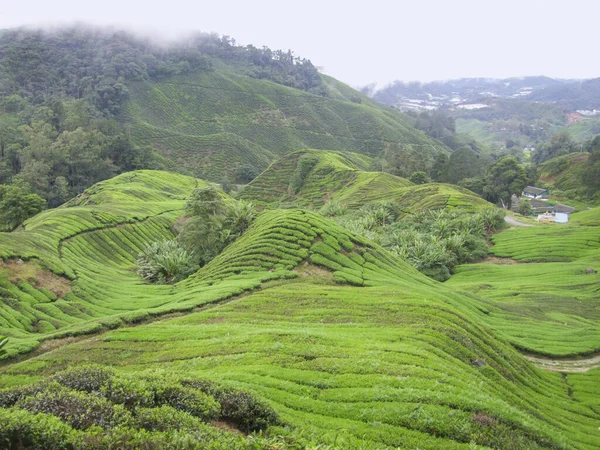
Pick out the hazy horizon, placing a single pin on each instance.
(431, 41)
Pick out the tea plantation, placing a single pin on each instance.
(210, 123)
(342, 177)
(327, 338)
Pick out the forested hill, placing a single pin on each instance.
(79, 105)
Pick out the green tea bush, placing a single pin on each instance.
(132, 392)
(186, 399)
(79, 409)
(20, 429)
(165, 418)
(238, 407)
(87, 378)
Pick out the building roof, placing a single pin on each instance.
(534, 190)
(539, 204)
(563, 209)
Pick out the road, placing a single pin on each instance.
(515, 223)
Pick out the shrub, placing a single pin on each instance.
(86, 378)
(419, 178)
(238, 407)
(165, 418)
(130, 392)
(246, 173)
(305, 165)
(187, 399)
(79, 409)
(333, 209)
(20, 429)
(524, 207)
(164, 262)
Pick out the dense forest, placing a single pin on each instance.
(61, 93)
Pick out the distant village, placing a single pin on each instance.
(541, 207)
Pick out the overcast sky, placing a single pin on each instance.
(367, 41)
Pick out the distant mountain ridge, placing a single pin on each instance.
(573, 94)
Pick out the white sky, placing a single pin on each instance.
(369, 41)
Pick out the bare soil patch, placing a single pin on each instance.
(32, 273)
(500, 261)
(566, 365)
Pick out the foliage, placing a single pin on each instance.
(77, 409)
(505, 178)
(524, 207)
(246, 173)
(164, 262)
(591, 174)
(205, 202)
(560, 144)
(433, 242)
(17, 204)
(419, 178)
(333, 208)
(213, 224)
(305, 165)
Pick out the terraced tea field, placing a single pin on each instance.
(351, 346)
(546, 307)
(342, 177)
(213, 122)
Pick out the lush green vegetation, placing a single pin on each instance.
(548, 305)
(92, 407)
(341, 177)
(346, 343)
(306, 321)
(213, 123)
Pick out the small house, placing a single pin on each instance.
(540, 206)
(535, 192)
(561, 213)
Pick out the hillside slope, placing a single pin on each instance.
(351, 346)
(565, 174)
(341, 177)
(213, 122)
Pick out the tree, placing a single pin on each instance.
(591, 174)
(17, 204)
(462, 164)
(524, 207)
(246, 173)
(205, 202)
(419, 178)
(505, 178)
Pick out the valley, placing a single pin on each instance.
(213, 246)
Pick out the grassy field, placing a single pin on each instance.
(213, 122)
(351, 346)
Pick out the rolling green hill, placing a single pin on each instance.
(341, 177)
(350, 346)
(213, 122)
(546, 301)
(565, 174)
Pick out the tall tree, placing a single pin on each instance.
(505, 178)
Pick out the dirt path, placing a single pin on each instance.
(515, 223)
(572, 365)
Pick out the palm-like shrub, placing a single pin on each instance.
(241, 214)
(333, 208)
(164, 262)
